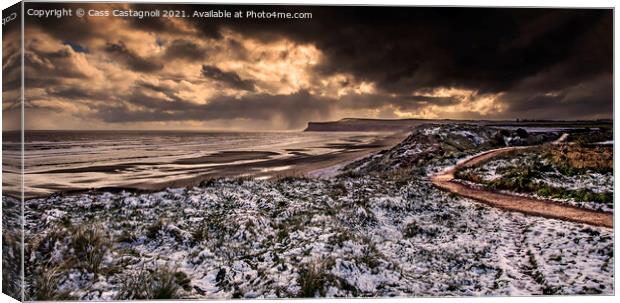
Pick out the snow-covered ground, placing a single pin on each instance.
(371, 234)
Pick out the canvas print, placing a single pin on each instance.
(177, 151)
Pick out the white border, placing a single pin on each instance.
(494, 3)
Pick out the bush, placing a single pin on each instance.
(152, 231)
(163, 285)
(312, 281)
(46, 285)
(370, 257)
(338, 189)
(522, 133)
(200, 234)
(517, 179)
(126, 237)
(413, 229)
(400, 176)
(160, 283)
(11, 259)
(90, 243)
(469, 176)
(544, 192)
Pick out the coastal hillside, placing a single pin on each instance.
(379, 228)
(397, 125)
(432, 146)
(353, 124)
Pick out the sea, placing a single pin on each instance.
(57, 161)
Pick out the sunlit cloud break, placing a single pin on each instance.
(371, 62)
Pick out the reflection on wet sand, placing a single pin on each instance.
(155, 161)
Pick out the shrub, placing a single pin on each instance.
(583, 195)
(200, 234)
(126, 237)
(312, 281)
(401, 176)
(544, 192)
(152, 231)
(90, 243)
(469, 176)
(282, 234)
(339, 189)
(160, 283)
(164, 285)
(413, 229)
(46, 285)
(370, 257)
(11, 258)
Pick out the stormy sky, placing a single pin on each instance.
(373, 62)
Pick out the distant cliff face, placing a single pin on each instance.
(360, 125)
(395, 125)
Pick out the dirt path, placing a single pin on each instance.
(530, 206)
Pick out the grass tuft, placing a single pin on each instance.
(312, 280)
(158, 284)
(90, 243)
(46, 285)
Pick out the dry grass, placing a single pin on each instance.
(90, 243)
(11, 259)
(160, 283)
(312, 280)
(46, 285)
(595, 158)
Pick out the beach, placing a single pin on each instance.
(75, 161)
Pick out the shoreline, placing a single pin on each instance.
(299, 166)
(254, 164)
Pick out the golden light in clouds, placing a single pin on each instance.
(469, 101)
(277, 67)
(119, 73)
(115, 73)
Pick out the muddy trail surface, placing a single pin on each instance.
(531, 206)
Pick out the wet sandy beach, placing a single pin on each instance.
(304, 157)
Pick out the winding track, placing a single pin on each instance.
(526, 205)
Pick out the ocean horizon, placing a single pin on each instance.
(68, 160)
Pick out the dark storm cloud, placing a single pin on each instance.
(184, 49)
(588, 100)
(11, 71)
(76, 47)
(534, 58)
(489, 50)
(40, 81)
(403, 103)
(131, 59)
(11, 84)
(54, 65)
(228, 78)
(74, 92)
(470, 48)
(157, 88)
(494, 50)
(294, 109)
